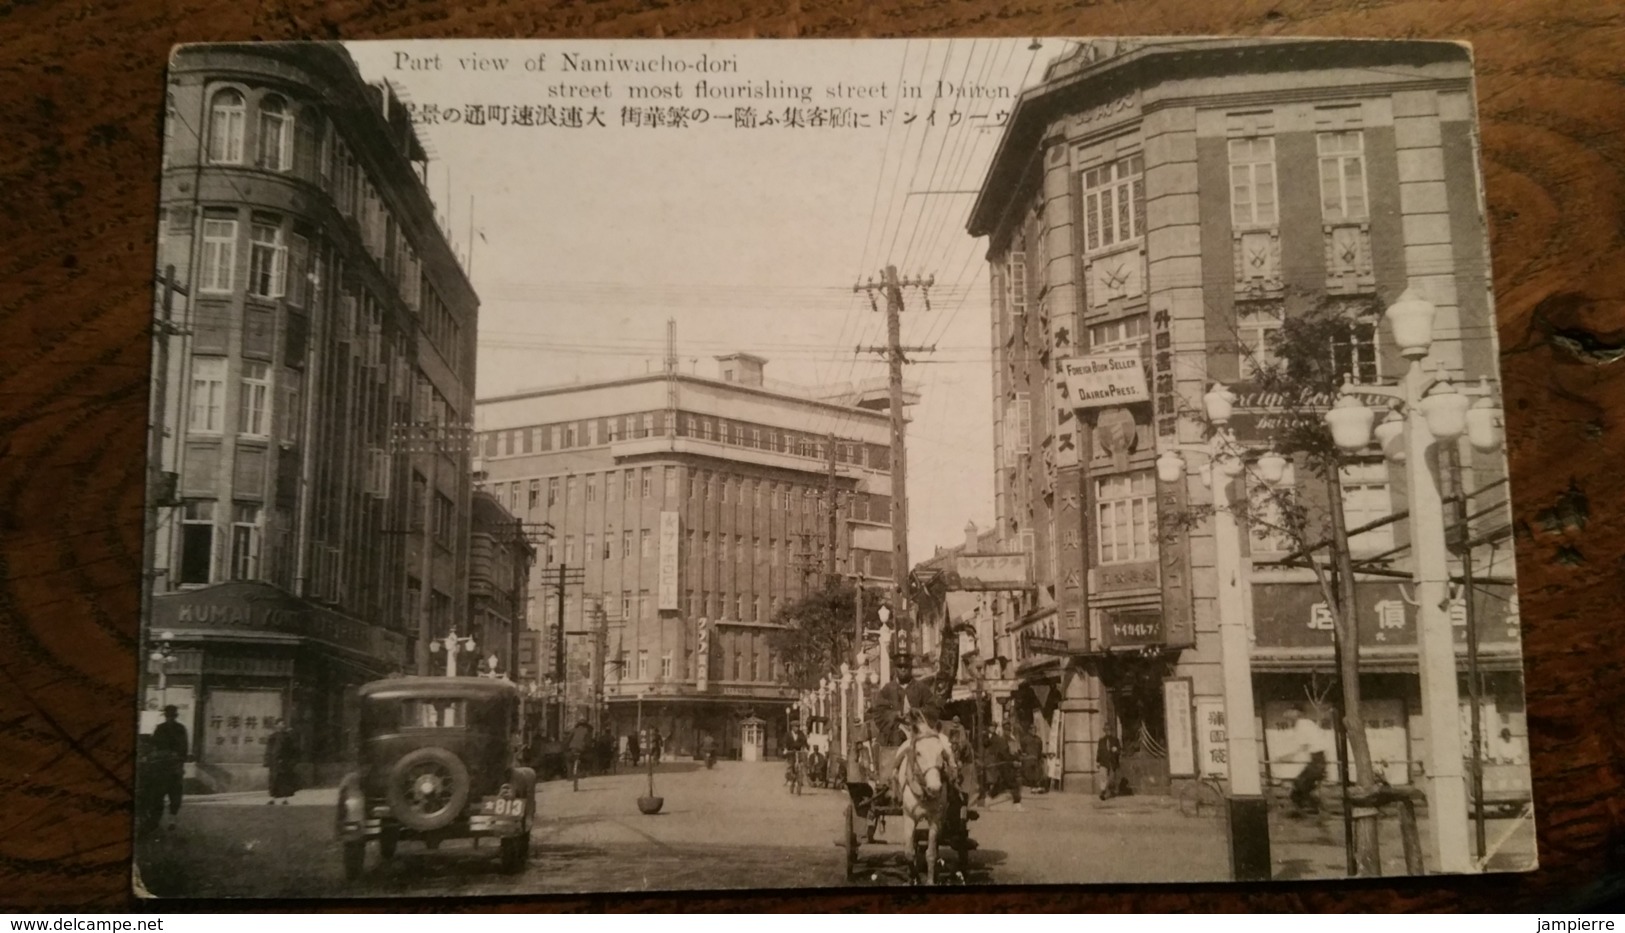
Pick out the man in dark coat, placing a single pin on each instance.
(170, 749)
(580, 744)
(281, 764)
(896, 703)
(1109, 758)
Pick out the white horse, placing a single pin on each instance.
(924, 765)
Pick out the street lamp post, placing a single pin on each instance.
(886, 633)
(846, 709)
(1430, 411)
(453, 645)
(162, 656)
(1249, 812)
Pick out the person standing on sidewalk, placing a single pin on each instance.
(170, 749)
(1109, 759)
(580, 745)
(282, 763)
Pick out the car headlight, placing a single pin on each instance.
(355, 807)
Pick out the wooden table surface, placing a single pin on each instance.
(81, 88)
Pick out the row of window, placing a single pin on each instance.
(725, 549)
(598, 431)
(257, 392)
(1114, 193)
(702, 485)
(1126, 516)
(304, 144)
(198, 555)
(747, 666)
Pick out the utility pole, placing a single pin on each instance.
(563, 576)
(435, 439)
(830, 548)
(892, 287)
(159, 491)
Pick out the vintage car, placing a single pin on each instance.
(436, 761)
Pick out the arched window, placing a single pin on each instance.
(275, 134)
(226, 126)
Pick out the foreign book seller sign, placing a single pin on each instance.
(1105, 379)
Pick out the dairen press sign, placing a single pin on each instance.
(1105, 379)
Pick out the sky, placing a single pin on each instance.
(581, 242)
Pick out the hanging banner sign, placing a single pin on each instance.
(1105, 379)
(1176, 706)
(669, 536)
(1212, 738)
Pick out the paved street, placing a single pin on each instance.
(735, 826)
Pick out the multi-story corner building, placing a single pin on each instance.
(500, 558)
(325, 321)
(1178, 201)
(697, 507)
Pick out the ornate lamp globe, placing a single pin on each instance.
(1484, 424)
(1170, 467)
(1410, 318)
(1219, 402)
(1391, 436)
(1350, 422)
(1272, 468)
(1229, 464)
(1446, 411)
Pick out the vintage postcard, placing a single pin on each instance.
(649, 465)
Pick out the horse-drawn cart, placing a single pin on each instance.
(871, 799)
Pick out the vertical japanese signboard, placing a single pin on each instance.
(1175, 553)
(1212, 738)
(1070, 596)
(1176, 705)
(669, 537)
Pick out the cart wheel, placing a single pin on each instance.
(850, 836)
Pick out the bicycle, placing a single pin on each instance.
(1203, 796)
(795, 773)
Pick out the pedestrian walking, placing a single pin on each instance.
(580, 746)
(1010, 773)
(633, 748)
(1032, 758)
(1303, 745)
(282, 764)
(170, 749)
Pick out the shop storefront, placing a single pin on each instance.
(1294, 666)
(682, 716)
(250, 657)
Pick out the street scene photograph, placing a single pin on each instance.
(645, 465)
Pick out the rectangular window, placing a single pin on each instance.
(1252, 182)
(197, 542)
(569, 549)
(1126, 513)
(1366, 498)
(592, 547)
(552, 491)
(1256, 328)
(208, 394)
(1342, 175)
(1114, 202)
(252, 417)
(643, 664)
(569, 490)
(292, 413)
(648, 488)
(626, 485)
(1123, 332)
(267, 259)
(535, 493)
(226, 112)
(245, 541)
(1354, 352)
(645, 542)
(592, 489)
(298, 278)
(219, 260)
(626, 544)
(665, 666)
(275, 134)
(1266, 518)
(671, 483)
(646, 606)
